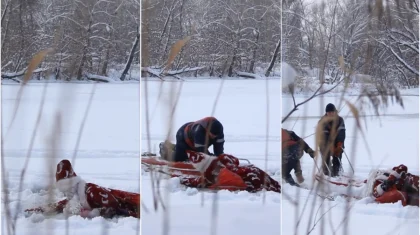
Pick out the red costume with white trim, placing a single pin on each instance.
(225, 170)
(397, 185)
(93, 199)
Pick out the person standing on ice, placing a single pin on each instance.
(332, 140)
(196, 136)
(291, 153)
(87, 199)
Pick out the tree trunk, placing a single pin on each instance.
(273, 59)
(84, 53)
(232, 63)
(108, 49)
(130, 58)
(254, 54)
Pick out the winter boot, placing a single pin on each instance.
(335, 170)
(165, 149)
(291, 181)
(299, 178)
(162, 150)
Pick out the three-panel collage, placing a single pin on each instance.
(224, 117)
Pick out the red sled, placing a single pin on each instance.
(173, 168)
(342, 181)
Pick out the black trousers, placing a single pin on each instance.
(181, 147)
(290, 159)
(333, 169)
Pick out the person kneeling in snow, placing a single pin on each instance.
(224, 172)
(195, 136)
(291, 153)
(397, 185)
(92, 200)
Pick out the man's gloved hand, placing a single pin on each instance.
(338, 149)
(311, 152)
(291, 181)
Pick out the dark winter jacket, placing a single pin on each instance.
(202, 134)
(334, 130)
(292, 144)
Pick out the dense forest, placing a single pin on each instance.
(377, 40)
(86, 38)
(226, 38)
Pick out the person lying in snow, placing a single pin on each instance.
(291, 153)
(224, 172)
(196, 136)
(397, 185)
(92, 200)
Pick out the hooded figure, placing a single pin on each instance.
(91, 200)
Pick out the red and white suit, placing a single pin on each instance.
(224, 170)
(93, 199)
(397, 185)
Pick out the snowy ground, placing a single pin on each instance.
(242, 110)
(108, 152)
(391, 139)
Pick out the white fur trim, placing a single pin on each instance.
(379, 190)
(203, 164)
(94, 213)
(67, 185)
(381, 177)
(394, 173)
(374, 175)
(81, 192)
(72, 186)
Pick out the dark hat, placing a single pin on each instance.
(330, 108)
